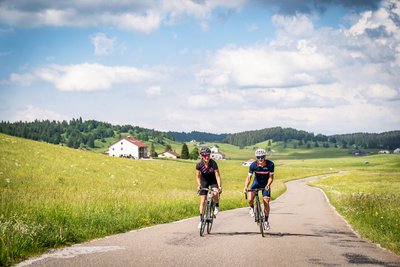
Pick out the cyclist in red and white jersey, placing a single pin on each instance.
(263, 178)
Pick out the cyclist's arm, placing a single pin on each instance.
(270, 180)
(247, 181)
(198, 178)
(218, 177)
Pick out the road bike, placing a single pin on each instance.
(208, 214)
(259, 217)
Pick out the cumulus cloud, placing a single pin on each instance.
(153, 91)
(291, 7)
(31, 113)
(319, 74)
(265, 66)
(142, 16)
(92, 77)
(102, 44)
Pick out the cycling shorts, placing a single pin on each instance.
(205, 184)
(265, 193)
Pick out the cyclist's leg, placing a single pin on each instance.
(214, 188)
(252, 194)
(266, 199)
(203, 196)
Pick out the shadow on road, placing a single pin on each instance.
(268, 234)
(354, 258)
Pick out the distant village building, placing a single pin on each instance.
(128, 147)
(169, 154)
(384, 152)
(217, 156)
(396, 151)
(214, 149)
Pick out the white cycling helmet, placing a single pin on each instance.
(260, 152)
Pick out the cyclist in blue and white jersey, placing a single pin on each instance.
(207, 174)
(263, 178)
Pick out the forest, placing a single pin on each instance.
(79, 133)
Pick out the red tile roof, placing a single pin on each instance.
(135, 141)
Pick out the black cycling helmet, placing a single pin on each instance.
(205, 151)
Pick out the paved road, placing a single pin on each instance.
(305, 231)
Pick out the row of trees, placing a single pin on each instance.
(199, 136)
(76, 132)
(194, 154)
(276, 134)
(386, 140)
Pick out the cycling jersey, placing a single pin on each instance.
(261, 175)
(207, 174)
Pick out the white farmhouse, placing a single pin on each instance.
(214, 149)
(396, 151)
(169, 154)
(128, 147)
(217, 156)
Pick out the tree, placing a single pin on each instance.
(90, 141)
(195, 153)
(185, 152)
(152, 150)
(168, 148)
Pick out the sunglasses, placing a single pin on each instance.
(260, 157)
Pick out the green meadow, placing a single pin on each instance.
(53, 196)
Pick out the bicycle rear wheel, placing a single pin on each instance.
(210, 217)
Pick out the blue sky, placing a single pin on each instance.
(219, 66)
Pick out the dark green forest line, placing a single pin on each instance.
(77, 133)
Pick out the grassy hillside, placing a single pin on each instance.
(277, 150)
(53, 196)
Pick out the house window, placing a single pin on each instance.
(122, 148)
(122, 143)
(113, 149)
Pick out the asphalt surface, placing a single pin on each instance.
(305, 231)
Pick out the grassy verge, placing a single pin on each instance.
(368, 198)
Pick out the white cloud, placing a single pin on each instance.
(92, 77)
(102, 44)
(31, 113)
(141, 16)
(153, 90)
(381, 92)
(293, 25)
(265, 66)
(22, 79)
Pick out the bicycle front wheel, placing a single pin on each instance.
(260, 218)
(210, 217)
(204, 221)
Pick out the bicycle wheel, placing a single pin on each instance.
(211, 217)
(260, 218)
(204, 220)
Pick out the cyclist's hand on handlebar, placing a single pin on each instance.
(245, 190)
(267, 187)
(220, 190)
